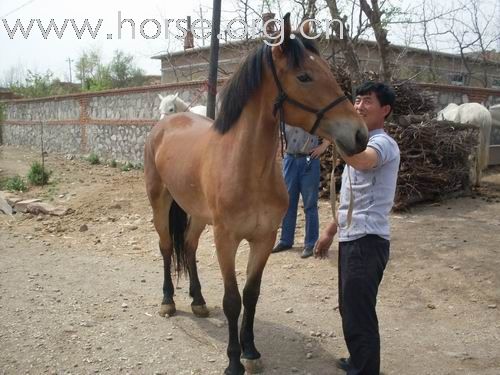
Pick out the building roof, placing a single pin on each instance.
(371, 43)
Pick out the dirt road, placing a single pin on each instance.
(85, 302)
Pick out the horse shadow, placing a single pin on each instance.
(284, 349)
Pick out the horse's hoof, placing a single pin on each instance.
(238, 369)
(167, 309)
(253, 366)
(200, 311)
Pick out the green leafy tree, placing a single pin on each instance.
(124, 71)
(36, 85)
(87, 66)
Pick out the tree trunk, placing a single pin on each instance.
(347, 45)
(375, 17)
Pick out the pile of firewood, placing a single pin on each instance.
(436, 160)
(410, 99)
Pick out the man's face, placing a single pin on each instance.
(371, 111)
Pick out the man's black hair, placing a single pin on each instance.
(384, 93)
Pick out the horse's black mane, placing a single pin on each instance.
(248, 78)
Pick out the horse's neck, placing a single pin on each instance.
(180, 105)
(257, 137)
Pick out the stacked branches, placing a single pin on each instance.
(437, 158)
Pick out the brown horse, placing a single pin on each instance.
(225, 174)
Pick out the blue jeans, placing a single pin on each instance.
(302, 177)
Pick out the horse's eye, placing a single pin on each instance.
(304, 77)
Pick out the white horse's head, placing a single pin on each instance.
(448, 112)
(167, 104)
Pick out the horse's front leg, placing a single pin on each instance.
(259, 253)
(226, 246)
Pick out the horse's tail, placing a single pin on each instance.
(178, 223)
(486, 122)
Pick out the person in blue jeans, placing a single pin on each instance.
(301, 169)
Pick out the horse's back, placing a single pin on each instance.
(474, 113)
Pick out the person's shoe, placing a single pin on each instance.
(308, 251)
(343, 364)
(280, 247)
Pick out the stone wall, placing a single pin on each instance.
(118, 142)
(114, 124)
(56, 138)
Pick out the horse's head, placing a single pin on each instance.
(167, 104)
(311, 97)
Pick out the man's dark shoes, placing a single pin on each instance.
(308, 251)
(280, 247)
(343, 364)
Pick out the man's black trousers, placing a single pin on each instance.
(361, 267)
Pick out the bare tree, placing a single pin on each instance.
(473, 33)
(346, 41)
(374, 15)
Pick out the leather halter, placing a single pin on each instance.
(283, 97)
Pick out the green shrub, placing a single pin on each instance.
(93, 159)
(127, 166)
(113, 163)
(38, 175)
(15, 183)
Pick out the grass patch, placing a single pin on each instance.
(113, 163)
(15, 183)
(93, 159)
(128, 166)
(38, 175)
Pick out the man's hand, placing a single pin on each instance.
(325, 241)
(317, 151)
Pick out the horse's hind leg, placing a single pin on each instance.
(160, 220)
(259, 253)
(193, 234)
(161, 200)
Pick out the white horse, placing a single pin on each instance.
(495, 115)
(172, 104)
(477, 114)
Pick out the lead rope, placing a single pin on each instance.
(333, 193)
(283, 140)
(351, 199)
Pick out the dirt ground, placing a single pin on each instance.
(87, 302)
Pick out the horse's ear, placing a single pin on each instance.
(306, 27)
(176, 95)
(287, 31)
(161, 97)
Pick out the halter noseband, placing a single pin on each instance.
(282, 97)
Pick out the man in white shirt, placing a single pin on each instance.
(364, 239)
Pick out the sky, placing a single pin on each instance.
(38, 54)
